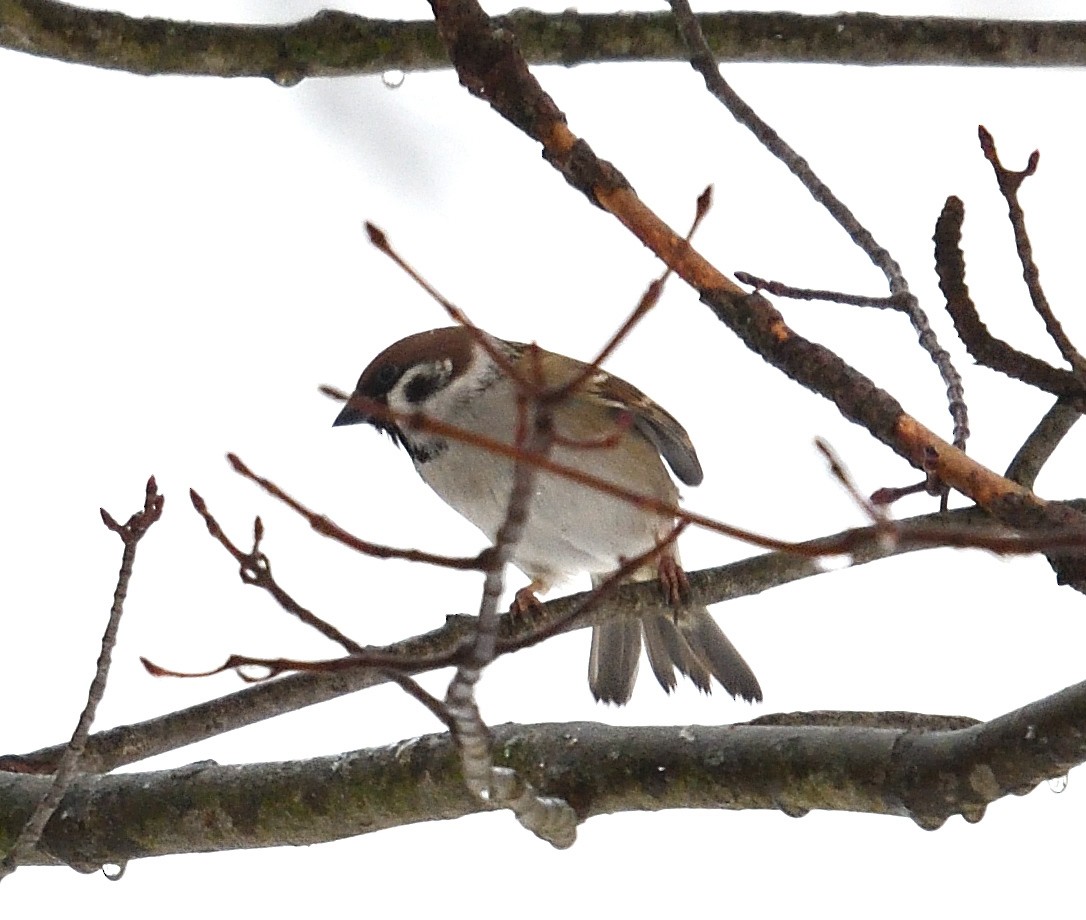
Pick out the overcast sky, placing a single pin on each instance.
(185, 264)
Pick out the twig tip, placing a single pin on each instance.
(377, 236)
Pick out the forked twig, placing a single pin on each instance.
(131, 532)
(984, 347)
(1009, 182)
(255, 569)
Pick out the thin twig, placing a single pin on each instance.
(648, 300)
(418, 421)
(1009, 182)
(984, 347)
(379, 239)
(777, 289)
(875, 511)
(703, 61)
(131, 532)
(255, 569)
(329, 528)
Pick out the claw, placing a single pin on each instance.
(673, 581)
(525, 604)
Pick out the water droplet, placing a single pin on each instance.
(288, 77)
(973, 813)
(393, 79)
(929, 822)
(793, 810)
(114, 871)
(1058, 784)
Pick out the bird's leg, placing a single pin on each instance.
(673, 580)
(525, 603)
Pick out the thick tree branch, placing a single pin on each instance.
(907, 770)
(334, 44)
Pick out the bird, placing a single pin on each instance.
(604, 426)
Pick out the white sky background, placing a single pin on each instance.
(184, 264)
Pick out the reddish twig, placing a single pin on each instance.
(421, 422)
(380, 241)
(255, 569)
(875, 511)
(648, 300)
(1071, 536)
(329, 528)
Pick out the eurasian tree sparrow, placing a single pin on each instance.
(606, 428)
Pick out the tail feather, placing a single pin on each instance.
(716, 652)
(685, 637)
(612, 663)
(668, 649)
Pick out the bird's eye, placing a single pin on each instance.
(387, 375)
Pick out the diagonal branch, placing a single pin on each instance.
(702, 60)
(489, 66)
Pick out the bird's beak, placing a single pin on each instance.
(352, 414)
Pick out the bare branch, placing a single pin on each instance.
(130, 744)
(489, 65)
(255, 569)
(1009, 182)
(333, 43)
(777, 289)
(926, 768)
(1043, 441)
(702, 60)
(985, 348)
(131, 532)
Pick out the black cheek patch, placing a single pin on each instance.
(423, 385)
